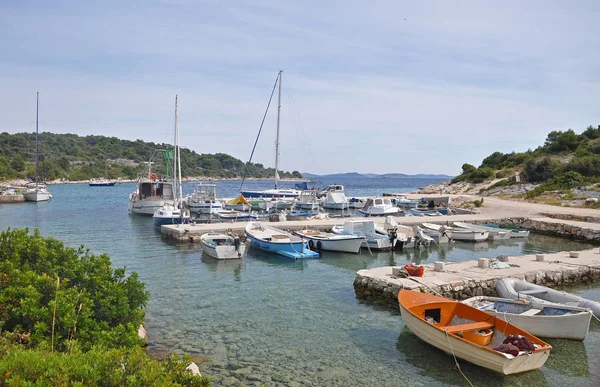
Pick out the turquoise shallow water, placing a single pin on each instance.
(270, 320)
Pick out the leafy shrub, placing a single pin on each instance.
(541, 169)
(478, 202)
(506, 172)
(495, 160)
(45, 287)
(586, 165)
(565, 181)
(98, 367)
(481, 174)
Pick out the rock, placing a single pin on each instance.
(230, 381)
(194, 368)
(502, 258)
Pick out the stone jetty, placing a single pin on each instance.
(461, 280)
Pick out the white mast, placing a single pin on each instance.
(175, 152)
(37, 108)
(277, 138)
(178, 150)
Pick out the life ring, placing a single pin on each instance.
(319, 245)
(311, 244)
(153, 176)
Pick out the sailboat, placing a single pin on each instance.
(276, 192)
(103, 181)
(173, 213)
(37, 192)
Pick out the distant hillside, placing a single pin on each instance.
(80, 158)
(354, 175)
(566, 160)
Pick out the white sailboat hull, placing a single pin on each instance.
(37, 195)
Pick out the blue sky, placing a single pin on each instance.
(378, 86)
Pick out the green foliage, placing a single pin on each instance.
(565, 181)
(591, 132)
(97, 367)
(495, 160)
(43, 282)
(467, 168)
(541, 169)
(506, 172)
(80, 158)
(478, 202)
(558, 141)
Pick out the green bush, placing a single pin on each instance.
(97, 367)
(506, 172)
(481, 174)
(565, 181)
(541, 169)
(58, 294)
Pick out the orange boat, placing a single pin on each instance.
(468, 333)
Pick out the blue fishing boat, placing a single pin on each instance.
(277, 241)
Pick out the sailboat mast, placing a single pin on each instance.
(37, 109)
(175, 151)
(277, 137)
(178, 149)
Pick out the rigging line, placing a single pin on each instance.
(259, 131)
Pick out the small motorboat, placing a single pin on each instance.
(170, 213)
(318, 240)
(204, 199)
(356, 203)
(469, 333)
(373, 239)
(335, 201)
(495, 234)
(516, 288)
(380, 207)
(515, 231)
(222, 246)
(238, 204)
(549, 320)
(459, 234)
(232, 215)
(308, 200)
(273, 240)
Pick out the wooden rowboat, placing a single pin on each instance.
(457, 328)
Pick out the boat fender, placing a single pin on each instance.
(319, 245)
(311, 244)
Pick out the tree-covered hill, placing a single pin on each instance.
(566, 160)
(73, 157)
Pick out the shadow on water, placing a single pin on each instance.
(568, 357)
(434, 363)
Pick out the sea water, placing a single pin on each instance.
(270, 320)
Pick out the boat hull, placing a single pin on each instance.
(278, 242)
(162, 221)
(333, 242)
(227, 250)
(336, 206)
(110, 184)
(37, 196)
(270, 194)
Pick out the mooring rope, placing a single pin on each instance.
(456, 361)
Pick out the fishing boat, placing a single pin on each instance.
(274, 192)
(152, 190)
(308, 200)
(373, 239)
(356, 203)
(494, 234)
(204, 199)
(516, 288)
(468, 333)
(335, 201)
(103, 181)
(173, 213)
(318, 240)
(238, 204)
(232, 215)
(222, 246)
(458, 234)
(379, 207)
(549, 320)
(277, 241)
(515, 231)
(402, 201)
(331, 188)
(37, 192)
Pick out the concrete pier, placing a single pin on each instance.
(461, 280)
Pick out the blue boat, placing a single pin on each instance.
(277, 241)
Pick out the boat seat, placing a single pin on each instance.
(530, 312)
(533, 291)
(468, 327)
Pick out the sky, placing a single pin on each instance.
(368, 86)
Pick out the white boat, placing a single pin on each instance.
(356, 203)
(379, 207)
(331, 188)
(554, 321)
(495, 234)
(222, 246)
(365, 228)
(277, 241)
(238, 204)
(101, 182)
(402, 201)
(152, 191)
(233, 215)
(335, 201)
(516, 288)
(275, 192)
(515, 232)
(308, 200)
(318, 240)
(173, 213)
(204, 199)
(458, 234)
(282, 204)
(37, 192)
